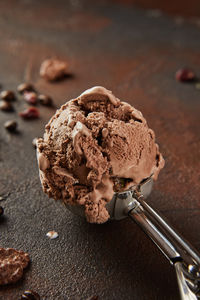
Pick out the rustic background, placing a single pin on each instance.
(135, 53)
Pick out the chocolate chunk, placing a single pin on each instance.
(6, 106)
(45, 100)
(24, 87)
(10, 125)
(12, 263)
(43, 162)
(53, 69)
(8, 96)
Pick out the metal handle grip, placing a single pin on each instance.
(172, 245)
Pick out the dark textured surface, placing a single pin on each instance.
(136, 56)
(189, 9)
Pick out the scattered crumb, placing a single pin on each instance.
(52, 234)
(12, 264)
(53, 69)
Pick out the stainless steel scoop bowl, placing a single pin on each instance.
(180, 253)
(118, 203)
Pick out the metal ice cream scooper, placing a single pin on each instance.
(179, 252)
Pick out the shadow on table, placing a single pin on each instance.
(128, 259)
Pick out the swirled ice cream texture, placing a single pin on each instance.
(94, 146)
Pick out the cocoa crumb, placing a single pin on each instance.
(12, 264)
(53, 69)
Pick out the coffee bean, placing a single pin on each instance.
(6, 106)
(1, 211)
(7, 96)
(30, 113)
(24, 87)
(45, 100)
(10, 125)
(30, 295)
(185, 75)
(34, 142)
(30, 97)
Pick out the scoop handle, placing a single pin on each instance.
(185, 259)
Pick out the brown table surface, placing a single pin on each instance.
(135, 55)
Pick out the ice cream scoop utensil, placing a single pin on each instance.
(185, 259)
(182, 255)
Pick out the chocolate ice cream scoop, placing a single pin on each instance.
(96, 145)
(100, 158)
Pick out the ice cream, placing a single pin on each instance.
(96, 145)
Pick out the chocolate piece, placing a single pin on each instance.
(30, 295)
(12, 263)
(93, 146)
(93, 298)
(45, 100)
(30, 113)
(43, 162)
(30, 97)
(24, 87)
(8, 95)
(6, 106)
(53, 69)
(11, 125)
